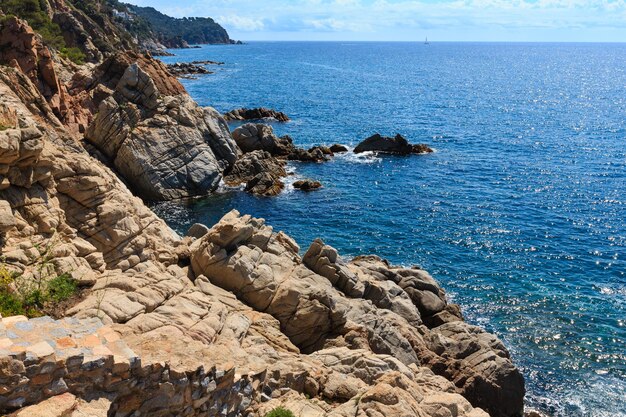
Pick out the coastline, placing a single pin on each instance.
(231, 321)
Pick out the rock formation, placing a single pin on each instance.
(259, 171)
(396, 145)
(253, 137)
(256, 114)
(165, 146)
(22, 49)
(186, 70)
(337, 148)
(307, 185)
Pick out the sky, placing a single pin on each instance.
(410, 20)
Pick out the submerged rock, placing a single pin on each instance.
(256, 114)
(396, 145)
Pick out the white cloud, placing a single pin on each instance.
(242, 23)
(379, 18)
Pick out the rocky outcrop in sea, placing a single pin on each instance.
(256, 114)
(232, 320)
(397, 145)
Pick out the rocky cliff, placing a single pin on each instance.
(234, 321)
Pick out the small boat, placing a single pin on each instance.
(426, 41)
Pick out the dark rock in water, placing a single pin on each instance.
(252, 137)
(184, 69)
(337, 148)
(207, 62)
(265, 184)
(256, 114)
(197, 230)
(307, 185)
(323, 149)
(396, 145)
(250, 166)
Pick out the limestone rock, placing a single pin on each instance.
(396, 145)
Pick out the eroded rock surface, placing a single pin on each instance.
(366, 304)
(259, 171)
(165, 146)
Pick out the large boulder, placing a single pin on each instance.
(165, 147)
(396, 145)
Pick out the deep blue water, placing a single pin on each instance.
(520, 214)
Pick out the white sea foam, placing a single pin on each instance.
(359, 158)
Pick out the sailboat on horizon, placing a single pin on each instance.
(426, 41)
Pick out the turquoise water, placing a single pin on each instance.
(520, 214)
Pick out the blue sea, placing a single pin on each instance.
(520, 213)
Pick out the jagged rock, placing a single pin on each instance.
(184, 69)
(383, 314)
(253, 137)
(256, 114)
(53, 186)
(259, 171)
(22, 49)
(307, 185)
(166, 147)
(396, 145)
(264, 184)
(337, 148)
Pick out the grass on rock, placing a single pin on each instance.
(19, 298)
(280, 412)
